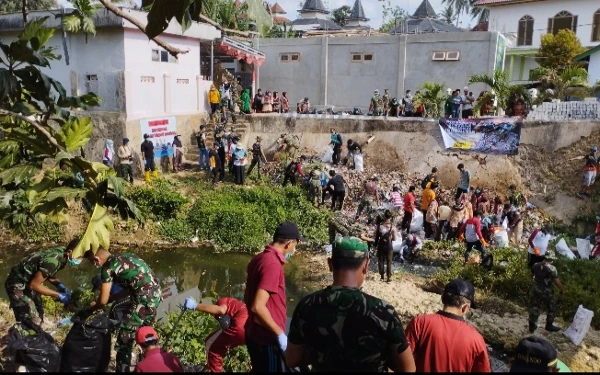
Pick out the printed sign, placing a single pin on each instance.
(161, 131)
(488, 135)
(500, 52)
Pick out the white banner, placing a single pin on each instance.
(162, 131)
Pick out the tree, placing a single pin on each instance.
(432, 96)
(449, 14)
(398, 16)
(340, 15)
(482, 14)
(282, 31)
(555, 84)
(40, 134)
(505, 93)
(558, 51)
(13, 6)
(460, 6)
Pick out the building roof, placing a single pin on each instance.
(587, 53)
(277, 9)
(501, 2)
(313, 6)
(425, 10)
(358, 13)
(425, 25)
(320, 24)
(481, 26)
(278, 20)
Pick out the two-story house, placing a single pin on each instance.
(524, 22)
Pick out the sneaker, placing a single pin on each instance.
(532, 327)
(552, 328)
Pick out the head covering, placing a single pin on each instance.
(110, 145)
(548, 228)
(594, 148)
(376, 92)
(534, 354)
(146, 136)
(288, 231)
(350, 247)
(463, 288)
(466, 88)
(145, 334)
(258, 138)
(448, 90)
(125, 140)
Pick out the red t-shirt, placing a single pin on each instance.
(156, 360)
(265, 271)
(409, 199)
(444, 342)
(236, 309)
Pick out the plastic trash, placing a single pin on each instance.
(37, 351)
(417, 222)
(529, 205)
(328, 157)
(501, 238)
(584, 248)
(64, 322)
(563, 249)
(358, 163)
(505, 224)
(580, 326)
(328, 248)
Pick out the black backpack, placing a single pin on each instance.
(425, 181)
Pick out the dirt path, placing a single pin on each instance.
(500, 322)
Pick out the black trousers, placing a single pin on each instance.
(431, 230)
(265, 358)
(384, 258)
(150, 165)
(533, 259)
(336, 155)
(466, 113)
(338, 197)
(255, 161)
(240, 174)
(459, 192)
(291, 177)
(406, 220)
(478, 246)
(215, 175)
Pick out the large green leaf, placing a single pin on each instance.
(160, 15)
(24, 108)
(71, 23)
(97, 233)
(18, 174)
(41, 38)
(9, 85)
(66, 193)
(32, 29)
(76, 133)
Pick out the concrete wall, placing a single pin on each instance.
(418, 143)
(326, 74)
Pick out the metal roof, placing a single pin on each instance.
(425, 10)
(358, 13)
(320, 24)
(425, 25)
(313, 6)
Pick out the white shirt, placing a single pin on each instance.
(466, 105)
(541, 242)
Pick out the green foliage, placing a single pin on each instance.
(397, 16)
(449, 14)
(13, 6)
(44, 231)
(432, 95)
(506, 93)
(558, 51)
(340, 15)
(158, 200)
(244, 219)
(80, 18)
(175, 230)
(188, 341)
(572, 80)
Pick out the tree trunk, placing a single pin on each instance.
(25, 10)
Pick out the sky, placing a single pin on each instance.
(372, 8)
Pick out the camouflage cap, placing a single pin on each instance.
(350, 247)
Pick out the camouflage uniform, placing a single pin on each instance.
(344, 226)
(234, 94)
(315, 186)
(368, 201)
(347, 330)
(132, 272)
(291, 146)
(376, 102)
(385, 101)
(542, 295)
(25, 303)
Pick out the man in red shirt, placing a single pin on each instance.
(444, 342)
(232, 316)
(471, 232)
(265, 297)
(409, 209)
(155, 360)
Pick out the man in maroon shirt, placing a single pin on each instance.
(444, 342)
(232, 316)
(265, 297)
(471, 232)
(155, 360)
(409, 209)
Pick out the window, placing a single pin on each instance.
(289, 57)
(452, 56)
(525, 32)
(445, 56)
(439, 56)
(362, 57)
(368, 57)
(155, 55)
(563, 20)
(163, 56)
(596, 27)
(92, 77)
(356, 57)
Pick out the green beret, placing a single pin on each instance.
(350, 247)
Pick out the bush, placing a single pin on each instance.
(176, 230)
(244, 219)
(42, 230)
(158, 200)
(187, 341)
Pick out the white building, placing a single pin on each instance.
(592, 57)
(525, 21)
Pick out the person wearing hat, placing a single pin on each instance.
(407, 104)
(258, 157)
(394, 108)
(375, 104)
(155, 360)
(177, 153)
(538, 244)
(341, 328)
(542, 294)
(369, 195)
(266, 300)
(537, 354)
(147, 149)
(385, 234)
(125, 155)
(448, 103)
(240, 159)
(444, 341)
(336, 144)
(590, 171)
(385, 101)
(467, 103)
(294, 167)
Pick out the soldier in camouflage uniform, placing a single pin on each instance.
(235, 96)
(135, 275)
(385, 101)
(315, 186)
(342, 329)
(25, 283)
(369, 197)
(376, 103)
(288, 143)
(345, 227)
(542, 295)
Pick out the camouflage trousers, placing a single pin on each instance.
(337, 227)
(143, 314)
(25, 303)
(315, 192)
(542, 299)
(366, 204)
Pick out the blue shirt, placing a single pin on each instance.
(465, 180)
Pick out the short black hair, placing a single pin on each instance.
(349, 264)
(435, 185)
(412, 188)
(282, 240)
(434, 169)
(478, 213)
(89, 254)
(332, 173)
(73, 244)
(395, 188)
(454, 300)
(507, 206)
(460, 166)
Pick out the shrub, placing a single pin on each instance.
(176, 230)
(42, 230)
(157, 200)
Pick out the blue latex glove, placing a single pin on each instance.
(282, 341)
(62, 288)
(190, 303)
(64, 322)
(64, 297)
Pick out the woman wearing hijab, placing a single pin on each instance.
(109, 153)
(285, 103)
(258, 101)
(245, 98)
(267, 103)
(457, 216)
(177, 153)
(384, 236)
(276, 102)
(464, 198)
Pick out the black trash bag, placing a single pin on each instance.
(357, 112)
(87, 346)
(38, 351)
(121, 308)
(488, 262)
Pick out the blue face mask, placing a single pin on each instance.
(289, 255)
(74, 262)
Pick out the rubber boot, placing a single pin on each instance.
(550, 327)
(532, 327)
(155, 174)
(147, 176)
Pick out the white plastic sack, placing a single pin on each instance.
(397, 245)
(584, 248)
(501, 238)
(328, 248)
(358, 163)
(416, 224)
(580, 326)
(505, 223)
(328, 157)
(563, 249)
